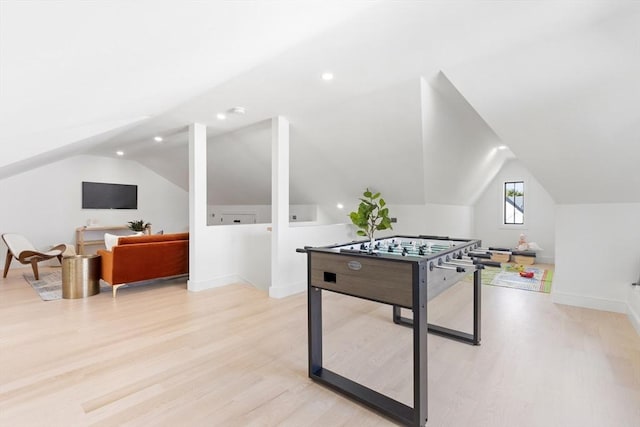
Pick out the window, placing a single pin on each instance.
(513, 203)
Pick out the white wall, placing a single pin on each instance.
(231, 254)
(293, 274)
(44, 204)
(263, 212)
(539, 213)
(228, 253)
(243, 253)
(634, 306)
(597, 257)
(433, 219)
(453, 221)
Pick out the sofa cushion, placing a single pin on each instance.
(128, 240)
(110, 240)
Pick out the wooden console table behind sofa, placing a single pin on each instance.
(94, 235)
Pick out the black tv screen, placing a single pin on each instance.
(100, 195)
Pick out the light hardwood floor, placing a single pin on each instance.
(161, 356)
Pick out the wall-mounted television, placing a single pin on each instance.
(101, 195)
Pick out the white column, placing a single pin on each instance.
(197, 196)
(279, 199)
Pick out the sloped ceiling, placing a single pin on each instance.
(370, 140)
(462, 154)
(330, 153)
(567, 106)
(239, 166)
(68, 65)
(521, 69)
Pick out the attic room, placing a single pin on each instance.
(255, 127)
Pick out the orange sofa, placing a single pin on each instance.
(137, 258)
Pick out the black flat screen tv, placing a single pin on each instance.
(101, 195)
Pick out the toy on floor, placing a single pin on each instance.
(523, 272)
(523, 245)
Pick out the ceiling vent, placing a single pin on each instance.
(237, 110)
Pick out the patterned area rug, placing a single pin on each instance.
(49, 287)
(509, 277)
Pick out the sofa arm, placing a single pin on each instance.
(107, 265)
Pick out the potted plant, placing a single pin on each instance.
(372, 215)
(138, 225)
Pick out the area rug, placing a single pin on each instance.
(49, 286)
(509, 277)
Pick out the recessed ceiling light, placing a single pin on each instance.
(157, 138)
(327, 76)
(120, 153)
(340, 206)
(237, 110)
(221, 116)
(502, 147)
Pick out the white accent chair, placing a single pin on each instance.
(20, 248)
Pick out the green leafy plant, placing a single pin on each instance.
(138, 225)
(372, 215)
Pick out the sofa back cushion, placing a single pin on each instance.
(110, 240)
(132, 240)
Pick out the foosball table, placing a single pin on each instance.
(401, 271)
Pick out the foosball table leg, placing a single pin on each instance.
(453, 334)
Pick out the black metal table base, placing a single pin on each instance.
(390, 407)
(416, 416)
(473, 339)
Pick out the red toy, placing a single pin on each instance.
(527, 274)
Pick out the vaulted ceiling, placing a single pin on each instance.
(423, 91)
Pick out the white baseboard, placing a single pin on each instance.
(545, 260)
(634, 318)
(285, 291)
(589, 302)
(633, 311)
(213, 283)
